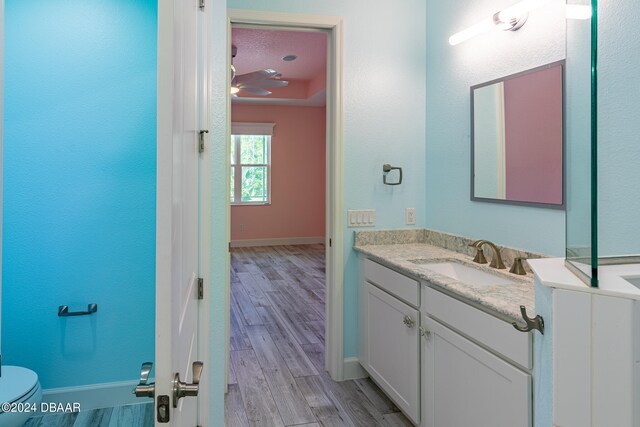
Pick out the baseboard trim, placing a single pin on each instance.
(95, 396)
(277, 241)
(352, 369)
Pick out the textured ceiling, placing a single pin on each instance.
(259, 49)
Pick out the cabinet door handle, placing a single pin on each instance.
(409, 321)
(424, 332)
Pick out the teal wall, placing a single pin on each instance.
(451, 70)
(79, 188)
(618, 129)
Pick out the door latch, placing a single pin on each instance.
(143, 389)
(163, 409)
(182, 389)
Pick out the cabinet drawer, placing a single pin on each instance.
(496, 334)
(397, 284)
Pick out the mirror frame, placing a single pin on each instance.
(562, 64)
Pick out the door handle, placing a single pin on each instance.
(143, 389)
(182, 389)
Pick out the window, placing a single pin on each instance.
(251, 163)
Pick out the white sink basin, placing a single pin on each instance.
(465, 274)
(634, 280)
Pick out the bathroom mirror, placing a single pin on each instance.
(517, 138)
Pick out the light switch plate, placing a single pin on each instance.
(410, 216)
(361, 217)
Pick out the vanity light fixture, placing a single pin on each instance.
(509, 19)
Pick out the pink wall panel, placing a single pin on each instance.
(534, 151)
(298, 175)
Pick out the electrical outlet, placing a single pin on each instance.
(410, 216)
(241, 227)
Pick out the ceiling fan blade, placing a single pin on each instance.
(256, 75)
(256, 91)
(271, 83)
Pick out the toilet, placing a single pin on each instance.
(20, 387)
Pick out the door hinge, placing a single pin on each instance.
(201, 140)
(201, 4)
(229, 246)
(200, 288)
(329, 242)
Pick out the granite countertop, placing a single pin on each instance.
(503, 300)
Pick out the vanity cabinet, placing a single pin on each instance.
(475, 366)
(443, 361)
(465, 385)
(390, 340)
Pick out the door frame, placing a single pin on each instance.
(1, 147)
(334, 237)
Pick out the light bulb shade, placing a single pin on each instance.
(475, 30)
(234, 90)
(511, 18)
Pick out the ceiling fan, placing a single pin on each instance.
(256, 82)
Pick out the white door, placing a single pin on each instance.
(180, 101)
(393, 351)
(465, 385)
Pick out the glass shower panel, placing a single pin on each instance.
(618, 133)
(581, 210)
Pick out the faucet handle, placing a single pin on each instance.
(479, 258)
(517, 267)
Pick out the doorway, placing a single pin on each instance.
(281, 230)
(333, 239)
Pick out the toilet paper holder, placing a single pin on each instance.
(63, 311)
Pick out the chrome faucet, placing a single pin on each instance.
(496, 258)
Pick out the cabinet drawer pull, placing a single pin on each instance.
(409, 321)
(424, 332)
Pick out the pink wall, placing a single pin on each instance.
(534, 152)
(297, 206)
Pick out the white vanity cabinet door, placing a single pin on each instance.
(465, 385)
(392, 348)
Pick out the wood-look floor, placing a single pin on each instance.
(277, 375)
(138, 415)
